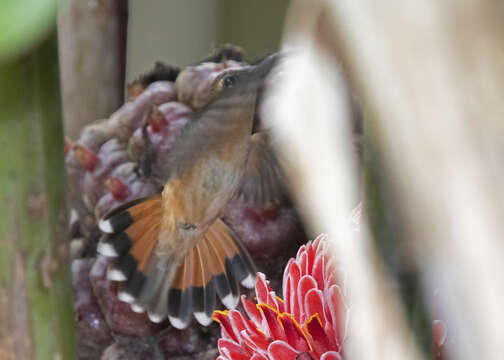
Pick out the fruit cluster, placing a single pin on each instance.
(116, 160)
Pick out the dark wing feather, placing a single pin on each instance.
(263, 182)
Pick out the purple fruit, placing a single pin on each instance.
(92, 329)
(124, 158)
(118, 314)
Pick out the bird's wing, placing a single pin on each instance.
(264, 182)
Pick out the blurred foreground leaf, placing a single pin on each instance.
(24, 23)
(36, 317)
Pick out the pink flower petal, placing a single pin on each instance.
(253, 328)
(251, 310)
(262, 288)
(231, 349)
(310, 253)
(279, 350)
(301, 250)
(305, 284)
(331, 355)
(292, 304)
(258, 342)
(245, 348)
(331, 275)
(274, 303)
(293, 333)
(273, 328)
(238, 322)
(233, 356)
(226, 327)
(285, 280)
(337, 309)
(318, 271)
(304, 356)
(273, 331)
(320, 342)
(258, 357)
(280, 304)
(303, 262)
(314, 304)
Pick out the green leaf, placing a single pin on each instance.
(23, 24)
(34, 295)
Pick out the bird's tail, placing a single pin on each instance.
(217, 265)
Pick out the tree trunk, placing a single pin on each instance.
(36, 317)
(92, 44)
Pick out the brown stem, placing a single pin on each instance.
(92, 40)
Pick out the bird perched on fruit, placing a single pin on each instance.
(174, 252)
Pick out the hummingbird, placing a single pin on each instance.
(174, 252)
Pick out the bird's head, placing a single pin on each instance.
(239, 87)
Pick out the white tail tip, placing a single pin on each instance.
(124, 296)
(116, 275)
(156, 318)
(202, 318)
(137, 308)
(106, 249)
(105, 226)
(230, 301)
(177, 323)
(249, 282)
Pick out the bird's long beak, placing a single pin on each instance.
(260, 70)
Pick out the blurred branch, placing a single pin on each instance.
(313, 120)
(432, 74)
(92, 40)
(36, 317)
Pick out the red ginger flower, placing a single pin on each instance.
(306, 325)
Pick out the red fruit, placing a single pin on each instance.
(262, 216)
(137, 187)
(86, 157)
(129, 117)
(110, 166)
(266, 232)
(156, 120)
(173, 111)
(116, 188)
(176, 116)
(68, 145)
(111, 155)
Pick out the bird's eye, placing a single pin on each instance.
(229, 81)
